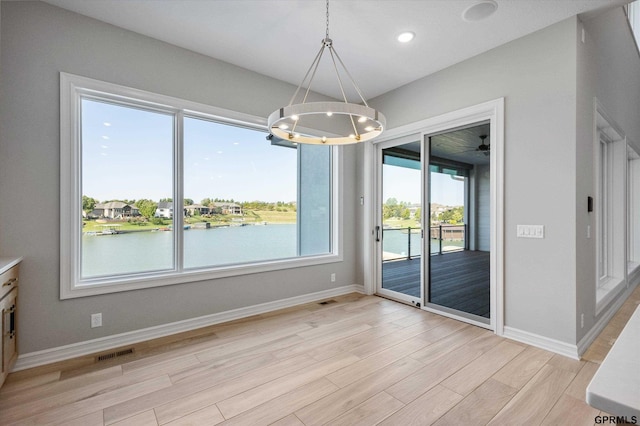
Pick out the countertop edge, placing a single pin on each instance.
(613, 388)
(7, 263)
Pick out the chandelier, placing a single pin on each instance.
(330, 123)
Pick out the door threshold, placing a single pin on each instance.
(415, 303)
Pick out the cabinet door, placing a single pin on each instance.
(9, 352)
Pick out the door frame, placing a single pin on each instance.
(492, 111)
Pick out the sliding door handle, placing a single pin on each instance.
(377, 234)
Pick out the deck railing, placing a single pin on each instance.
(455, 235)
(443, 239)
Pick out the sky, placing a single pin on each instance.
(127, 154)
(403, 184)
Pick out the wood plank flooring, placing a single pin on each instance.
(459, 280)
(362, 360)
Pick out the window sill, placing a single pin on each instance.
(127, 283)
(606, 291)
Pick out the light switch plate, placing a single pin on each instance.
(530, 231)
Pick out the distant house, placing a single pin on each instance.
(114, 210)
(413, 209)
(196, 209)
(229, 208)
(165, 209)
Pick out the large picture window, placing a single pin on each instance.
(157, 190)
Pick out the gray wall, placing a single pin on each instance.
(608, 67)
(536, 76)
(39, 41)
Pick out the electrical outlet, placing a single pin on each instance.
(581, 320)
(333, 278)
(96, 320)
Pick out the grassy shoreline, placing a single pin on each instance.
(252, 217)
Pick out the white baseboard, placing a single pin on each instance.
(606, 316)
(542, 342)
(74, 350)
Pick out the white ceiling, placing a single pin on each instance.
(280, 38)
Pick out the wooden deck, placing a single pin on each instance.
(459, 280)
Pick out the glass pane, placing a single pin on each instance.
(401, 226)
(127, 168)
(242, 201)
(447, 231)
(460, 229)
(314, 200)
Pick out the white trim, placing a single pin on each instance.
(541, 342)
(74, 350)
(494, 112)
(71, 86)
(369, 222)
(608, 291)
(604, 319)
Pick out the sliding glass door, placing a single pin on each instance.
(433, 227)
(399, 229)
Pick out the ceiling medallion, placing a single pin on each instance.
(317, 122)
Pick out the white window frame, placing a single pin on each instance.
(611, 212)
(605, 209)
(633, 212)
(633, 15)
(72, 87)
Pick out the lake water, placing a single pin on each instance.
(153, 251)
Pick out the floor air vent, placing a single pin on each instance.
(112, 355)
(327, 302)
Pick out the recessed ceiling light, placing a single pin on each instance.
(480, 10)
(406, 37)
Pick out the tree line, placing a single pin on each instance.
(393, 208)
(147, 207)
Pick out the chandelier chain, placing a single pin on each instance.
(327, 32)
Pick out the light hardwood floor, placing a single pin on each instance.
(361, 360)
